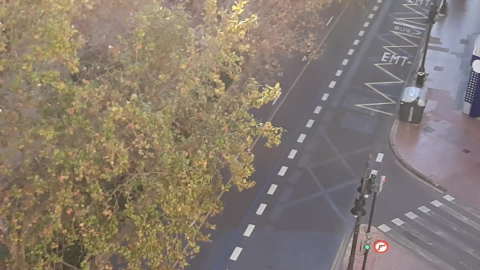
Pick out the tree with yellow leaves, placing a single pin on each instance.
(121, 152)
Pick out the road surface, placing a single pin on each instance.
(337, 111)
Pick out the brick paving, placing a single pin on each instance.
(444, 148)
(396, 258)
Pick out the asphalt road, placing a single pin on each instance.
(298, 214)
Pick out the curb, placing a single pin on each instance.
(422, 176)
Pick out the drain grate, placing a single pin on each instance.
(428, 129)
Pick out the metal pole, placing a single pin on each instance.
(443, 8)
(421, 71)
(354, 243)
(365, 256)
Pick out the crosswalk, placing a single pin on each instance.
(444, 232)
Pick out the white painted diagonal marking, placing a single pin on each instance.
(310, 123)
(379, 157)
(332, 84)
(448, 198)
(398, 222)
(325, 96)
(292, 154)
(236, 252)
(301, 138)
(317, 110)
(282, 170)
(272, 189)
(339, 72)
(411, 215)
(261, 208)
(384, 228)
(424, 209)
(436, 203)
(249, 230)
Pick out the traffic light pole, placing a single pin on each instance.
(365, 256)
(358, 211)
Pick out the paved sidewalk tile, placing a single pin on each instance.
(396, 258)
(445, 148)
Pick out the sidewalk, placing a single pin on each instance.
(445, 148)
(396, 258)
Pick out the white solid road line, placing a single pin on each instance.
(261, 208)
(379, 157)
(329, 21)
(249, 230)
(325, 96)
(301, 138)
(282, 170)
(275, 101)
(272, 189)
(317, 110)
(292, 154)
(310, 123)
(236, 252)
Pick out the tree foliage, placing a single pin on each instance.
(121, 142)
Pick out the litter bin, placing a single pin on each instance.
(412, 104)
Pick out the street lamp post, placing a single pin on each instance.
(431, 20)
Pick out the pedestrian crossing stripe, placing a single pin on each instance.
(447, 235)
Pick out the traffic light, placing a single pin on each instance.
(365, 245)
(359, 208)
(370, 185)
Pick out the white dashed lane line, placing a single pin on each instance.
(332, 84)
(375, 8)
(282, 170)
(371, 16)
(361, 33)
(301, 138)
(339, 72)
(330, 20)
(317, 110)
(236, 252)
(272, 189)
(345, 62)
(325, 96)
(356, 42)
(310, 123)
(249, 230)
(448, 198)
(379, 157)
(366, 24)
(424, 209)
(261, 208)
(292, 154)
(350, 52)
(436, 203)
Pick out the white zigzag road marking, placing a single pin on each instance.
(395, 79)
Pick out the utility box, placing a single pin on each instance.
(412, 104)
